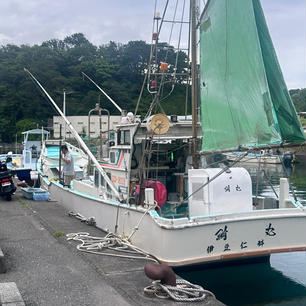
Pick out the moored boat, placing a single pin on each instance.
(152, 187)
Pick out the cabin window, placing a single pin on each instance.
(80, 122)
(96, 178)
(124, 137)
(107, 186)
(102, 180)
(112, 157)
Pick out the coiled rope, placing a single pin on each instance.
(182, 292)
(99, 245)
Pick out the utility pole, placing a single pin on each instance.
(64, 107)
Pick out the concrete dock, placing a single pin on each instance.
(48, 270)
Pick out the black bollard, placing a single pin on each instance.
(160, 272)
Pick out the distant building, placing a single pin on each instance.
(80, 124)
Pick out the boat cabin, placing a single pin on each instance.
(137, 156)
(32, 146)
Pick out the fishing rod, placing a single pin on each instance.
(104, 93)
(79, 139)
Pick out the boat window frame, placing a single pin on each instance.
(124, 137)
(96, 178)
(112, 157)
(102, 181)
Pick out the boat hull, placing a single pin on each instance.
(182, 242)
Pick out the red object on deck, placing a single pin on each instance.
(160, 191)
(153, 84)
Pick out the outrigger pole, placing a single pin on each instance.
(79, 139)
(104, 93)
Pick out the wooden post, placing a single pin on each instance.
(60, 155)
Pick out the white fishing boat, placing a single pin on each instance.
(23, 164)
(152, 188)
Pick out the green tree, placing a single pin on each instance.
(118, 68)
(298, 97)
(26, 124)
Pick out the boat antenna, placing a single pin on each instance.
(104, 93)
(78, 138)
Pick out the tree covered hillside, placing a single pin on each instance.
(57, 64)
(299, 99)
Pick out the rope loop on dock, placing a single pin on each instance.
(102, 245)
(184, 291)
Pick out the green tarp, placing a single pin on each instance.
(289, 124)
(244, 100)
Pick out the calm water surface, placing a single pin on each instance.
(278, 282)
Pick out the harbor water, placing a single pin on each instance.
(280, 281)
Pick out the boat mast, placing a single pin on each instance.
(194, 85)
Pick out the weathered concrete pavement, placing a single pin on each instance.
(10, 295)
(49, 271)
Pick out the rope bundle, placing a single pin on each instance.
(182, 292)
(99, 245)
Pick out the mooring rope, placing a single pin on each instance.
(99, 245)
(184, 291)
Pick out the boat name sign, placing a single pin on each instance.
(222, 235)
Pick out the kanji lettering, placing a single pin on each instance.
(243, 245)
(210, 248)
(226, 247)
(260, 243)
(270, 231)
(222, 233)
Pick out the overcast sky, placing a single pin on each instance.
(34, 21)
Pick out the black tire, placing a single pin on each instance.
(8, 197)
